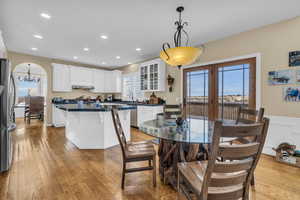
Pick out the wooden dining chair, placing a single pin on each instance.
(26, 109)
(215, 180)
(172, 111)
(35, 108)
(134, 151)
(248, 115)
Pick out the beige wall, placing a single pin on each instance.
(273, 42)
(17, 58)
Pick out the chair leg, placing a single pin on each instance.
(123, 174)
(181, 192)
(154, 170)
(178, 182)
(252, 181)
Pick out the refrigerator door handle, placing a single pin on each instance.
(1, 89)
(14, 88)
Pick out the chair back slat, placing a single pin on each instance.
(172, 111)
(174, 106)
(118, 129)
(246, 121)
(238, 151)
(233, 166)
(225, 180)
(242, 130)
(249, 111)
(233, 193)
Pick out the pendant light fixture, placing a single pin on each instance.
(180, 55)
(28, 77)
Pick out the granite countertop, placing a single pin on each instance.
(131, 103)
(91, 107)
(135, 103)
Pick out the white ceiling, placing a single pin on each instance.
(128, 24)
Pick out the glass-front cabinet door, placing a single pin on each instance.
(153, 75)
(144, 77)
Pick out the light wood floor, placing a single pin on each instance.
(47, 166)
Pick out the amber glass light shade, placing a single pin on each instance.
(180, 56)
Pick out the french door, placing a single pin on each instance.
(216, 91)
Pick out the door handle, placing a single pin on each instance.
(1, 89)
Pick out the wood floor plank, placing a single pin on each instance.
(47, 166)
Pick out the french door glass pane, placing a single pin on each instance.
(197, 92)
(233, 90)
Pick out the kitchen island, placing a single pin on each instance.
(90, 126)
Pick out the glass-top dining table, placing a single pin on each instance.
(185, 143)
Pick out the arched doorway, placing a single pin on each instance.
(31, 80)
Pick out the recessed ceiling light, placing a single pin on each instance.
(129, 63)
(75, 57)
(45, 15)
(86, 49)
(34, 49)
(138, 49)
(118, 57)
(104, 37)
(38, 36)
(103, 63)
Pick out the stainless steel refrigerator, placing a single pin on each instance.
(7, 118)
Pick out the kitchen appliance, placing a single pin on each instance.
(7, 117)
(133, 118)
(83, 87)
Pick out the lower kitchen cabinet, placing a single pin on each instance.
(58, 117)
(146, 113)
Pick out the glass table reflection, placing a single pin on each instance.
(194, 131)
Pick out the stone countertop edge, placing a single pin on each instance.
(100, 109)
(117, 102)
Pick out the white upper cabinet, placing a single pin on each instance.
(81, 76)
(107, 81)
(98, 81)
(117, 77)
(61, 81)
(103, 81)
(153, 75)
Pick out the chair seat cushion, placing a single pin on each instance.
(139, 150)
(147, 143)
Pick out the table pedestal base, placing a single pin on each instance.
(170, 153)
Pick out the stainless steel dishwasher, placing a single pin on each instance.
(133, 118)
